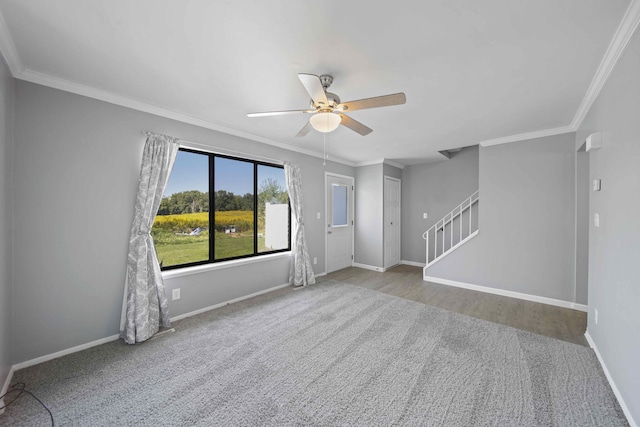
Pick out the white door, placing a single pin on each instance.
(391, 222)
(339, 215)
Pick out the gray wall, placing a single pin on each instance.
(526, 240)
(434, 188)
(369, 227)
(6, 119)
(392, 171)
(368, 207)
(583, 187)
(614, 247)
(76, 166)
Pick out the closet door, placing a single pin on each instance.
(391, 221)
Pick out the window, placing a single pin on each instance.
(246, 214)
(340, 205)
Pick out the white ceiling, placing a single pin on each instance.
(472, 71)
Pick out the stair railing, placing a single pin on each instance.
(463, 218)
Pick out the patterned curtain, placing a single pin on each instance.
(146, 307)
(301, 273)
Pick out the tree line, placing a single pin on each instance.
(194, 201)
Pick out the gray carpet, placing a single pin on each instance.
(329, 354)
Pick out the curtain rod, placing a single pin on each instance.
(220, 150)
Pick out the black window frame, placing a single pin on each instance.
(212, 260)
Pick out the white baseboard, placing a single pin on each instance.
(623, 405)
(81, 347)
(222, 304)
(512, 294)
(324, 273)
(61, 353)
(5, 387)
(413, 263)
(381, 269)
(368, 267)
(48, 357)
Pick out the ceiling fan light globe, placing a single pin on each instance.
(325, 122)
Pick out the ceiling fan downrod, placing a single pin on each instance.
(325, 81)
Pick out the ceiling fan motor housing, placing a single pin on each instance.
(333, 101)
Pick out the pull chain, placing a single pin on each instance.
(324, 149)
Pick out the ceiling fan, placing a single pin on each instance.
(328, 111)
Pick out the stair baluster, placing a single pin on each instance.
(448, 221)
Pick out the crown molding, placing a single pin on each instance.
(369, 163)
(18, 70)
(102, 95)
(394, 164)
(8, 49)
(527, 136)
(616, 48)
(380, 161)
(614, 52)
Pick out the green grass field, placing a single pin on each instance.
(186, 249)
(169, 255)
(175, 248)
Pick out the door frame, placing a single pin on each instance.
(384, 232)
(326, 217)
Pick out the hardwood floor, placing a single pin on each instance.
(406, 282)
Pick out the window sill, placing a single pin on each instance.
(187, 271)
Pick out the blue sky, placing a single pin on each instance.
(190, 172)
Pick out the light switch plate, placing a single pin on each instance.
(597, 185)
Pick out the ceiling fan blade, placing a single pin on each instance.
(305, 130)
(279, 113)
(313, 85)
(375, 102)
(355, 125)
